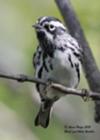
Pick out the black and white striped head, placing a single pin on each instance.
(48, 27)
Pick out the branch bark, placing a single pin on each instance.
(91, 70)
(84, 93)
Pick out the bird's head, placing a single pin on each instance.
(47, 29)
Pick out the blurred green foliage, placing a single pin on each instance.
(17, 44)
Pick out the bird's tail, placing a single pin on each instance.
(43, 115)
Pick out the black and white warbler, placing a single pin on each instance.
(57, 58)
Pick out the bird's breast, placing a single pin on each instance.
(62, 71)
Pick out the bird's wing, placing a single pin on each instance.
(37, 57)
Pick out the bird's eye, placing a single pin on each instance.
(51, 27)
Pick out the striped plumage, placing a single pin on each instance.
(57, 58)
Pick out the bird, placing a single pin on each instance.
(57, 58)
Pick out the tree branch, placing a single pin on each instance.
(91, 70)
(22, 78)
(67, 91)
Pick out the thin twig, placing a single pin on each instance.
(82, 92)
(67, 91)
(22, 78)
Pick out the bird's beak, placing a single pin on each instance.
(37, 26)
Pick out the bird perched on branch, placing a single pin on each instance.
(57, 58)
